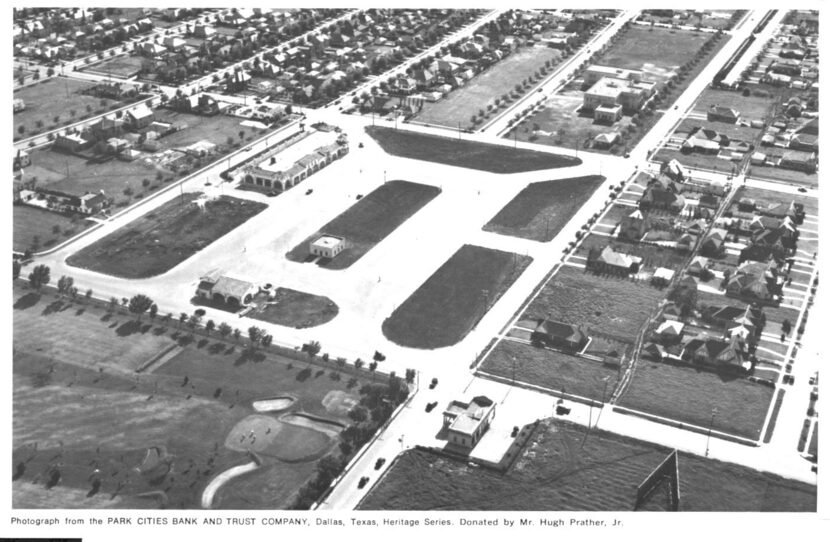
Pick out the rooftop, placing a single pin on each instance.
(327, 241)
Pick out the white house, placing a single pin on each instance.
(327, 246)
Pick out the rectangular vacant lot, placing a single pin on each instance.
(122, 66)
(446, 307)
(466, 154)
(47, 227)
(752, 107)
(555, 472)
(56, 97)
(551, 369)
(542, 209)
(497, 80)
(653, 49)
(612, 306)
(167, 236)
(370, 220)
(689, 395)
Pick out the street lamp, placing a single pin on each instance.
(709, 433)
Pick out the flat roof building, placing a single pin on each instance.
(466, 423)
(327, 246)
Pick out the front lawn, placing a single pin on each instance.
(551, 369)
(165, 237)
(464, 153)
(609, 305)
(296, 309)
(451, 302)
(689, 395)
(369, 221)
(542, 209)
(556, 472)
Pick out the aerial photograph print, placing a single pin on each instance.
(388, 259)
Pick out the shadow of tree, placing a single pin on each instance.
(80, 311)
(304, 375)
(54, 306)
(27, 301)
(352, 383)
(128, 328)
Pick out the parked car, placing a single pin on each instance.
(247, 149)
(309, 191)
(430, 406)
(433, 383)
(362, 483)
(271, 194)
(379, 463)
(360, 145)
(802, 189)
(359, 196)
(562, 410)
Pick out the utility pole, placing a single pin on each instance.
(709, 433)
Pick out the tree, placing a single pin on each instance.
(88, 295)
(359, 414)
(312, 348)
(39, 277)
(341, 362)
(193, 321)
(139, 304)
(267, 340)
(182, 319)
(254, 335)
(209, 326)
(154, 310)
(786, 326)
(64, 285)
(410, 376)
(372, 368)
(224, 329)
(21, 129)
(236, 334)
(113, 304)
(16, 269)
(358, 363)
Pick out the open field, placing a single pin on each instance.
(653, 256)
(112, 418)
(789, 176)
(552, 473)
(608, 305)
(216, 129)
(766, 197)
(369, 221)
(657, 50)
(496, 81)
(451, 302)
(465, 154)
(165, 237)
(32, 222)
(120, 66)
(752, 107)
(735, 131)
(57, 96)
(296, 309)
(542, 209)
(551, 369)
(689, 395)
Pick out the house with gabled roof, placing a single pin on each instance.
(756, 281)
(632, 227)
(714, 351)
(712, 245)
(607, 260)
(720, 113)
(559, 335)
(656, 197)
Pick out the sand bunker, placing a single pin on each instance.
(273, 405)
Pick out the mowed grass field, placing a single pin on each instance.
(554, 472)
(662, 48)
(542, 209)
(121, 66)
(752, 107)
(30, 223)
(451, 302)
(57, 96)
(296, 309)
(215, 129)
(767, 197)
(369, 221)
(551, 369)
(80, 405)
(609, 305)
(689, 395)
(165, 237)
(497, 80)
(465, 154)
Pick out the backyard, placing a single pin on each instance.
(478, 93)
(542, 209)
(369, 221)
(551, 369)
(140, 427)
(689, 395)
(556, 472)
(466, 154)
(451, 302)
(36, 229)
(611, 306)
(165, 237)
(653, 256)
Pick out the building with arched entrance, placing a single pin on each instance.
(224, 290)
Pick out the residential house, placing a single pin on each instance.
(712, 244)
(606, 140)
(632, 227)
(107, 128)
(699, 266)
(466, 423)
(756, 281)
(670, 331)
(799, 161)
(238, 81)
(674, 170)
(608, 260)
(559, 335)
(656, 197)
(714, 351)
(21, 159)
(719, 113)
(139, 117)
(662, 277)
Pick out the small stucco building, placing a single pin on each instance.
(327, 246)
(225, 290)
(466, 423)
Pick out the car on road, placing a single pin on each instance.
(430, 406)
(362, 483)
(433, 383)
(562, 410)
(802, 189)
(271, 194)
(309, 191)
(360, 145)
(247, 149)
(358, 196)
(380, 462)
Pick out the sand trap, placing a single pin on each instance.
(339, 402)
(273, 405)
(329, 427)
(222, 479)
